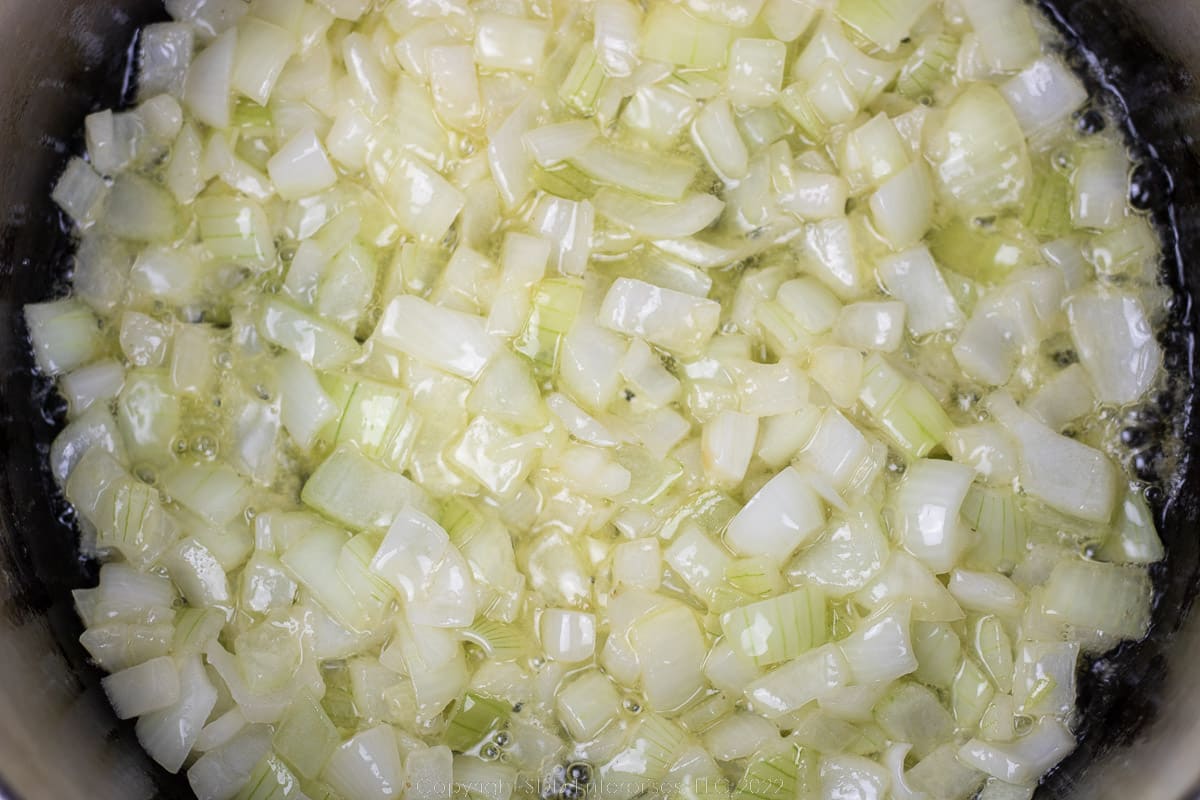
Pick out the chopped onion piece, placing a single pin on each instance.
(667, 318)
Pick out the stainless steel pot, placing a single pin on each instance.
(59, 59)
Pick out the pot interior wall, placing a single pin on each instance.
(1140, 707)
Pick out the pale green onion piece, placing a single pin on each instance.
(347, 140)
(1044, 677)
(305, 407)
(143, 339)
(270, 780)
(523, 261)
(1002, 526)
(555, 305)
(658, 221)
(885, 24)
(654, 746)
(780, 628)
(501, 641)
(553, 144)
(904, 408)
(835, 260)
(236, 229)
(476, 718)
(427, 769)
(660, 113)
(813, 195)
(672, 35)
(482, 780)
(587, 704)
(939, 652)
(96, 383)
(1101, 188)
(455, 85)
(140, 210)
(699, 561)
(1131, 249)
(65, 335)
(583, 82)
(1116, 605)
(844, 773)
(567, 636)
(834, 452)
(927, 66)
(991, 343)
(637, 171)
(913, 713)
(351, 489)
(200, 577)
(738, 735)
(996, 789)
(374, 416)
(873, 152)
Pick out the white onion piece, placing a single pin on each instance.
(880, 648)
(207, 92)
(1116, 344)
(1024, 760)
(169, 734)
(913, 278)
(301, 167)
(568, 636)
(690, 215)
(783, 515)
(664, 317)
(1067, 475)
(452, 340)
